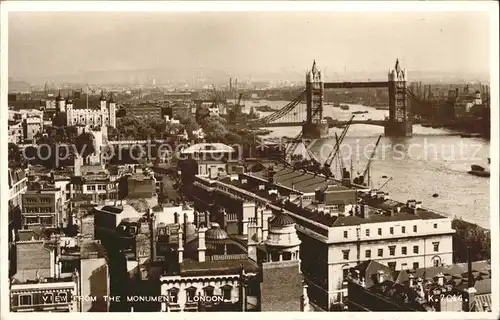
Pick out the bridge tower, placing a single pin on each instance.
(314, 126)
(400, 123)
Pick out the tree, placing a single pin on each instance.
(59, 119)
(201, 114)
(190, 125)
(84, 144)
(14, 155)
(214, 130)
(473, 236)
(112, 133)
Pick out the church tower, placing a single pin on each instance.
(61, 104)
(69, 111)
(112, 111)
(103, 103)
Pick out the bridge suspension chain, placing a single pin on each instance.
(282, 112)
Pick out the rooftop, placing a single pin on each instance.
(192, 267)
(305, 182)
(208, 148)
(396, 284)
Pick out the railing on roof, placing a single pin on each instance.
(225, 257)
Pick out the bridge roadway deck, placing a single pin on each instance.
(350, 85)
(331, 124)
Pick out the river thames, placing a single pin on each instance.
(431, 162)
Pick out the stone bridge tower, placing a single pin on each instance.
(400, 122)
(314, 127)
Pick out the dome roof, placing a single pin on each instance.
(216, 233)
(281, 220)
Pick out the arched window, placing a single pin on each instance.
(191, 292)
(173, 295)
(176, 217)
(436, 261)
(208, 291)
(227, 292)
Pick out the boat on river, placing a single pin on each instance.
(359, 112)
(344, 107)
(479, 171)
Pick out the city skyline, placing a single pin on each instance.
(259, 45)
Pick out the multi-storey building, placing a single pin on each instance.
(44, 208)
(16, 134)
(17, 187)
(341, 231)
(93, 180)
(38, 284)
(211, 158)
(144, 110)
(218, 271)
(55, 273)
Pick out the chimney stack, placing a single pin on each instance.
(470, 292)
(181, 247)
(440, 279)
(185, 223)
(201, 244)
(207, 219)
(469, 268)
(412, 280)
(380, 276)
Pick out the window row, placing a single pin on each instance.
(37, 200)
(392, 251)
(208, 291)
(39, 210)
(391, 231)
(100, 187)
(47, 298)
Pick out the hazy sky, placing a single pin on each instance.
(44, 44)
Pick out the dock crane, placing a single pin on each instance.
(360, 180)
(340, 159)
(290, 150)
(326, 169)
(239, 99)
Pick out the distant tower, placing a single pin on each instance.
(112, 111)
(103, 102)
(61, 104)
(399, 123)
(69, 111)
(314, 126)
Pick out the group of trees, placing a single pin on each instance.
(473, 236)
(49, 151)
(136, 128)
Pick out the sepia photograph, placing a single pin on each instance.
(250, 157)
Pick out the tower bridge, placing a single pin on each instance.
(314, 125)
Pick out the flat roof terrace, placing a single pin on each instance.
(378, 210)
(305, 182)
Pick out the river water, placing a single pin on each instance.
(432, 161)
